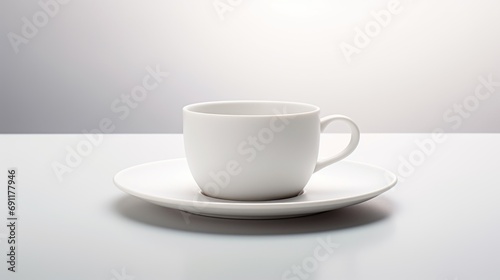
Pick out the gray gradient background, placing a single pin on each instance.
(91, 52)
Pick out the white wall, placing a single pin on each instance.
(90, 53)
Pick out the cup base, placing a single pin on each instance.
(252, 200)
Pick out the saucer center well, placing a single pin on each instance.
(302, 192)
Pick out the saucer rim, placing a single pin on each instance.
(242, 205)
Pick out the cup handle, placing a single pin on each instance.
(353, 143)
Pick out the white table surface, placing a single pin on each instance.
(441, 222)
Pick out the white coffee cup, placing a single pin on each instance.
(256, 150)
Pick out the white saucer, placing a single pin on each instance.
(169, 183)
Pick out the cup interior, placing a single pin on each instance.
(251, 108)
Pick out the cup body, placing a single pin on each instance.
(251, 150)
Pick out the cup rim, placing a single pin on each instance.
(191, 108)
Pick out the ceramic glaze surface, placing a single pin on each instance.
(256, 150)
(169, 183)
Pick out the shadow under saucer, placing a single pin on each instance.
(140, 211)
